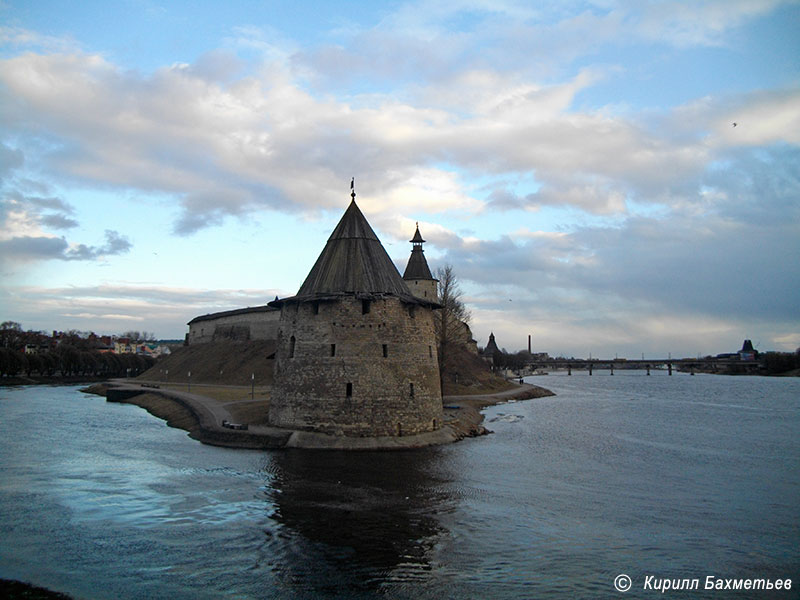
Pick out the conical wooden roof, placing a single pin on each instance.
(353, 262)
(417, 267)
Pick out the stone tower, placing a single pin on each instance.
(356, 350)
(418, 275)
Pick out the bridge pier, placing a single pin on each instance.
(648, 370)
(612, 368)
(569, 369)
(669, 368)
(590, 369)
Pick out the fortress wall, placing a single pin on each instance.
(244, 325)
(426, 289)
(311, 388)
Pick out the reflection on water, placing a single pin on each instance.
(668, 476)
(355, 521)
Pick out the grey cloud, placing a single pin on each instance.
(707, 266)
(49, 211)
(51, 248)
(192, 221)
(58, 222)
(10, 159)
(115, 244)
(52, 203)
(33, 248)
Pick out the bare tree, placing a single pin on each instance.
(452, 317)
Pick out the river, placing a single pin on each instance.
(668, 477)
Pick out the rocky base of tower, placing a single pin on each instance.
(202, 417)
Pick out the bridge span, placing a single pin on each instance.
(692, 365)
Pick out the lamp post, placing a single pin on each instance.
(189, 382)
(252, 386)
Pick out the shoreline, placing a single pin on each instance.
(202, 418)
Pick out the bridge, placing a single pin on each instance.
(692, 365)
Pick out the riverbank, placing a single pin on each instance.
(204, 417)
(10, 588)
(52, 379)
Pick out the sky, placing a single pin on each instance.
(612, 178)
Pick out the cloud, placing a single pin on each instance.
(26, 215)
(688, 23)
(709, 270)
(58, 222)
(108, 308)
(452, 109)
(29, 248)
(10, 160)
(19, 37)
(228, 146)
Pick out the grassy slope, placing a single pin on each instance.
(224, 363)
(467, 373)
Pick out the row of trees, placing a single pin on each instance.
(13, 336)
(67, 360)
(780, 362)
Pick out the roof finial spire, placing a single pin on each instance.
(353, 189)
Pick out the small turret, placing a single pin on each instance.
(418, 275)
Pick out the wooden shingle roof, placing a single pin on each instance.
(417, 267)
(353, 262)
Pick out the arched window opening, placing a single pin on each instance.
(349, 390)
(292, 342)
(385, 350)
(333, 349)
(365, 307)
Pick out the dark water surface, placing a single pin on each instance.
(676, 477)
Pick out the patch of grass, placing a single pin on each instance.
(221, 393)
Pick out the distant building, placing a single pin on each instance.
(491, 352)
(123, 346)
(748, 352)
(152, 350)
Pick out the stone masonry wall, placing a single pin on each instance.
(424, 288)
(343, 371)
(247, 325)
